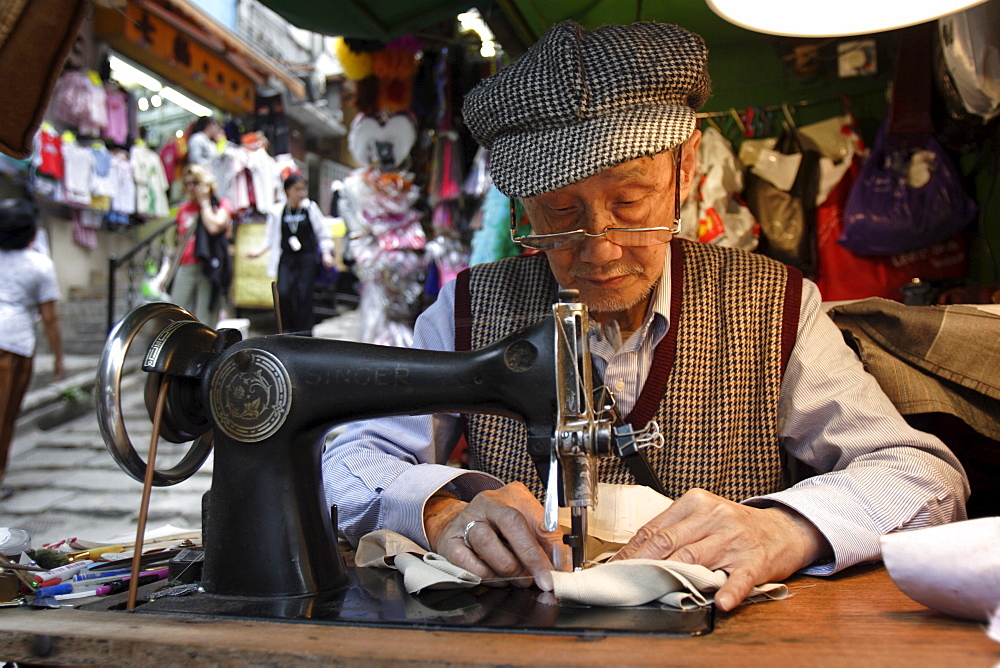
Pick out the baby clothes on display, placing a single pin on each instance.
(150, 182)
(78, 164)
(48, 152)
(123, 199)
(79, 101)
(117, 111)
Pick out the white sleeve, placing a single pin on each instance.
(877, 474)
(321, 230)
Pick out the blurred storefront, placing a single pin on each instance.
(113, 138)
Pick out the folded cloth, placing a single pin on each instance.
(618, 583)
(640, 581)
(421, 569)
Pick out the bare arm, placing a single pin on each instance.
(50, 322)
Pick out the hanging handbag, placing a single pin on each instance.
(908, 196)
(783, 201)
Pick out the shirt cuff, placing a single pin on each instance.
(852, 535)
(403, 501)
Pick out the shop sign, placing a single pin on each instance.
(178, 56)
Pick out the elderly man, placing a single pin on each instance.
(727, 351)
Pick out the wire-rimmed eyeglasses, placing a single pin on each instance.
(622, 236)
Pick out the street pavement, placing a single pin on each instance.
(66, 483)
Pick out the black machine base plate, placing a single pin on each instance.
(376, 597)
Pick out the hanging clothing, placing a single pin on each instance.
(150, 182)
(116, 131)
(78, 166)
(265, 180)
(48, 153)
(123, 200)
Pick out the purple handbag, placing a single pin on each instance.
(907, 196)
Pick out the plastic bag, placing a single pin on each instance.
(714, 212)
(970, 45)
(787, 217)
(907, 197)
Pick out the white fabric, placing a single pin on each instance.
(641, 581)
(27, 279)
(124, 183)
(79, 173)
(150, 182)
(265, 179)
(953, 568)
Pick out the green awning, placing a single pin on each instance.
(381, 20)
(528, 19)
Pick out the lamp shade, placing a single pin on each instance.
(794, 18)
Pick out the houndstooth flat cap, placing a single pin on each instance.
(580, 101)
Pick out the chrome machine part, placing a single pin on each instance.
(108, 391)
(581, 437)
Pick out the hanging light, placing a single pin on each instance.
(143, 104)
(794, 18)
(155, 100)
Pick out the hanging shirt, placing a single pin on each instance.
(116, 103)
(49, 153)
(78, 163)
(150, 182)
(123, 200)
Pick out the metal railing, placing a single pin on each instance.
(153, 248)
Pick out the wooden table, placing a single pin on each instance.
(859, 618)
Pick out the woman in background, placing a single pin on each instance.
(203, 141)
(28, 288)
(299, 242)
(204, 270)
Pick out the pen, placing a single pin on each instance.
(66, 588)
(102, 575)
(96, 552)
(122, 585)
(63, 572)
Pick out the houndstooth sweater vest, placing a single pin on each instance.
(715, 379)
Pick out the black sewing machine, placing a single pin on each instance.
(265, 405)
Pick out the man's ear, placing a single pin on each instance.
(689, 162)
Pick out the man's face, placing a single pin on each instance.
(613, 281)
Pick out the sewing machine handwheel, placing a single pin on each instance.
(109, 410)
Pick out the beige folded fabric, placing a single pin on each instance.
(641, 581)
(618, 583)
(421, 569)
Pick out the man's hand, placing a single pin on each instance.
(753, 545)
(507, 542)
